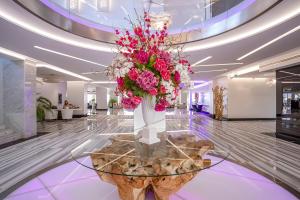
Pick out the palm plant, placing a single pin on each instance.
(43, 105)
(112, 102)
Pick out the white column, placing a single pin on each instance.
(101, 97)
(1, 94)
(30, 128)
(19, 97)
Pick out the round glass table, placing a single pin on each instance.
(136, 168)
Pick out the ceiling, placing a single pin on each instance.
(20, 40)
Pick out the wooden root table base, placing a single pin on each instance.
(164, 167)
(135, 188)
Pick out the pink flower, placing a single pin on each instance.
(165, 75)
(161, 105)
(160, 65)
(131, 102)
(133, 74)
(129, 93)
(126, 102)
(136, 100)
(153, 92)
(120, 82)
(162, 89)
(177, 77)
(147, 80)
(138, 31)
(165, 56)
(142, 57)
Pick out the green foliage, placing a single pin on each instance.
(132, 86)
(43, 105)
(111, 102)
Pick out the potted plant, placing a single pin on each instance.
(44, 109)
(112, 102)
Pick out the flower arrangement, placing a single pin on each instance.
(146, 65)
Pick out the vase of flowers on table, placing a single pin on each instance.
(149, 71)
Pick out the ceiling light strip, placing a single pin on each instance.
(69, 56)
(201, 85)
(281, 61)
(12, 54)
(245, 34)
(104, 82)
(58, 69)
(7, 16)
(221, 64)
(270, 42)
(201, 61)
(290, 73)
(289, 82)
(209, 71)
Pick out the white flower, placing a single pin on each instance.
(184, 73)
(168, 85)
(121, 66)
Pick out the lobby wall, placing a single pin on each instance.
(248, 98)
(77, 95)
(251, 98)
(51, 91)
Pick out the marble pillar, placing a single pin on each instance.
(1, 94)
(13, 95)
(101, 97)
(19, 110)
(30, 128)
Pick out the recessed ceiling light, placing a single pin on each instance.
(63, 71)
(69, 56)
(270, 42)
(209, 71)
(201, 61)
(222, 64)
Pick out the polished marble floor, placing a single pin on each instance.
(71, 181)
(252, 144)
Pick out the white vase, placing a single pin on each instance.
(149, 132)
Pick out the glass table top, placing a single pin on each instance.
(122, 154)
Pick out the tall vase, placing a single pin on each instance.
(149, 132)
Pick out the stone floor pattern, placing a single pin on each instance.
(251, 143)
